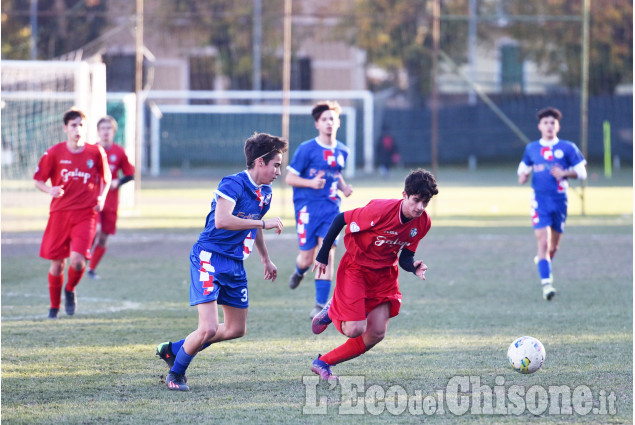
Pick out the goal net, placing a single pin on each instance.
(35, 95)
(190, 129)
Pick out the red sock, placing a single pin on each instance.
(55, 289)
(74, 277)
(352, 348)
(98, 252)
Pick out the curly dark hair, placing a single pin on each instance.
(422, 183)
(265, 146)
(549, 112)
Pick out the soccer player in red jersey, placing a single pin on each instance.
(107, 218)
(367, 293)
(80, 179)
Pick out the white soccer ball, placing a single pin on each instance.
(526, 354)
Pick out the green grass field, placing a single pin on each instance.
(481, 292)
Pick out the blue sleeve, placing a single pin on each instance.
(230, 187)
(576, 155)
(527, 157)
(298, 162)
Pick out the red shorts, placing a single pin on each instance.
(69, 230)
(108, 221)
(359, 290)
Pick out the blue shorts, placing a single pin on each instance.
(548, 211)
(313, 220)
(218, 278)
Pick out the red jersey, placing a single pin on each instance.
(81, 175)
(375, 233)
(117, 160)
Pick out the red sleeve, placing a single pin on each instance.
(126, 167)
(45, 166)
(361, 219)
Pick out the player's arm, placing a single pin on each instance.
(54, 191)
(523, 172)
(346, 189)
(317, 182)
(128, 173)
(224, 219)
(408, 263)
(117, 183)
(322, 258)
(271, 271)
(576, 172)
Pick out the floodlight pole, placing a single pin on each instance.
(286, 84)
(584, 92)
(434, 100)
(138, 87)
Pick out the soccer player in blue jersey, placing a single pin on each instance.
(553, 162)
(234, 225)
(315, 172)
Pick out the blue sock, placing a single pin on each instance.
(176, 346)
(322, 291)
(544, 270)
(300, 271)
(181, 362)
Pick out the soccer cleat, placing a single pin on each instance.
(316, 310)
(164, 351)
(176, 382)
(53, 313)
(70, 303)
(295, 279)
(93, 275)
(321, 320)
(323, 369)
(548, 292)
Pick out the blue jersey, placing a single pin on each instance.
(542, 157)
(250, 202)
(308, 160)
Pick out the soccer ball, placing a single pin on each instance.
(526, 354)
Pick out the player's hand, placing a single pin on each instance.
(420, 269)
(114, 184)
(558, 172)
(320, 267)
(56, 191)
(318, 181)
(347, 190)
(274, 223)
(101, 200)
(271, 271)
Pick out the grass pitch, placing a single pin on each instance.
(481, 292)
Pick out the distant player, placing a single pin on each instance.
(232, 227)
(553, 162)
(80, 179)
(315, 172)
(118, 161)
(384, 233)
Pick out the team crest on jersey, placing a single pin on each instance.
(329, 157)
(546, 153)
(340, 160)
(113, 157)
(558, 153)
(354, 227)
(90, 163)
(413, 232)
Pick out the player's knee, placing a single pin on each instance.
(207, 332)
(353, 330)
(78, 264)
(375, 336)
(237, 332)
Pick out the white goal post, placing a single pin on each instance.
(159, 110)
(158, 99)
